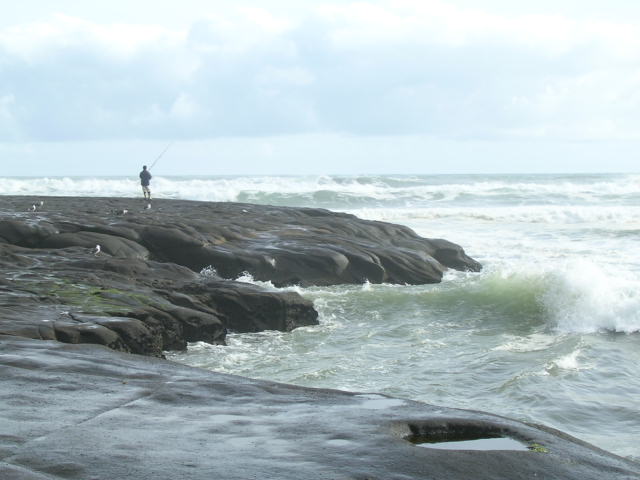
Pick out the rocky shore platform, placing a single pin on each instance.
(144, 278)
(76, 404)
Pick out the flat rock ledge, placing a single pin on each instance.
(85, 412)
(163, 274)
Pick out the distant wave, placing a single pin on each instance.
(557, 214)
(339, 192)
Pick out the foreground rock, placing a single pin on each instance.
(86, 412)
(141, 291)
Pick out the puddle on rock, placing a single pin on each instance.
(499, 443)
(464, 435)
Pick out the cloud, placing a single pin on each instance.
(8, 122)
(364, 68)
(35, 41)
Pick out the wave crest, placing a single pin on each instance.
(344, 192)
(584, 297)
(575, 297)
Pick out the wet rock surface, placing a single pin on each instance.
(130, 304)
(87, 412)
(114, 272)
(72, 410)
(303, 246)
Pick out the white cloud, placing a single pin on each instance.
(185, 107)
(8, 123)
(598, 105)
(32, 41)
(385, 67)
(266, 21)
(288, 76)
(428, 22)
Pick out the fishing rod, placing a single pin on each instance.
(160, 156)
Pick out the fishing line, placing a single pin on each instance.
(160, 156)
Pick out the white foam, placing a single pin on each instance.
(246, 188)
(571, 295)
(585, 297)
(569, 361)
(209, 271)
(246, 277)
(68, 186)
(399, 190)
(549, 214)
(531, 343)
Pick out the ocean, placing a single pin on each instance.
(548, 332)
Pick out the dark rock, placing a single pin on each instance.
(111, 245)
(75, 332)
(134, 335)
(450, 254)
(86, 412)
(284, 245)
(248, 308)
(146, 275)
(69, 295)
(25, 231)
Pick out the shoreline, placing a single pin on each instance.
(90, 407)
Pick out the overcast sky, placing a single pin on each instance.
(305, 87)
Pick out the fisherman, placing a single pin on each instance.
(145, 178)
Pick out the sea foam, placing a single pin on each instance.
(585, 297)
(574, 296)
(343, 192)
(621, 216)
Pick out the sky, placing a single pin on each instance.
(319, 87)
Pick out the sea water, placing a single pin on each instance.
(548, 332)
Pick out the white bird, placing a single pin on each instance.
(124, 212)
(148, 206)
(41, 202)
(97, 250)
(33, 207)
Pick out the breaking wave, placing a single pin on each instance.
(620, 216)
(337, 192)
(578, 296)
(585, 298)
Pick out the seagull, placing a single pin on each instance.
(41, 202)
(96, 250)
(33, 207)
(148, 206)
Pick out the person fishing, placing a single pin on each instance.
(145, 175)
(145, 178)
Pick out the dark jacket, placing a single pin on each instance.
(145, 177)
